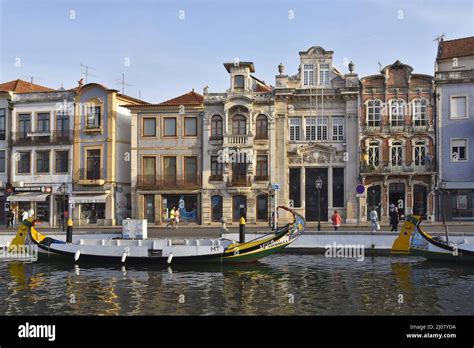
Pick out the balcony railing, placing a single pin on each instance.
(238, 140)
(428, 167)
(454, 75)
(93, 176)
(261, 177)
(239, 181)
(39, 138)
(156, 182)
(371, 129)
(216, 178)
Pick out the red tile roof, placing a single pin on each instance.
(191, 98)
(20, 86)
(263, 88)
(456, 48)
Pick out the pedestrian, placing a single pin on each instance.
(24, 215)
(394, 219)
(374, 218)
(171, 218)
(31, 213)
(336, 220)
(10, 218)
(176, 218)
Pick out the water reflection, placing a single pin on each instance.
(283, 284)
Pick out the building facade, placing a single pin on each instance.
(316, 137)
(5, 124)
(166, 159)
(397, 142)
(101, 191)
(454, 79)
(41, 153)
(238, 144)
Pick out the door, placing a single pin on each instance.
(313, 204)
(420, 194)
(239, 206)
(150, 208)
(262, 208)
(373, 200)
(396, 196)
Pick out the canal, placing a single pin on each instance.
(282, 284)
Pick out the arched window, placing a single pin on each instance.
(262, 127)
(396, 153)
(216, 208)
(239, 125)
(397, 112)
(420, 112)
(374, 110)
(239, 82)
(420, 153)
(216, 127)
(374, 154)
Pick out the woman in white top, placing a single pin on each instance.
(374, 218)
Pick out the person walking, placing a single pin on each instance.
(336, 220)
(10, 218)
(176, 218)
(24, 215)
(171, 221)
(394, 219)
(374, 218)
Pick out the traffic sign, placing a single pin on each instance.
(275, 186)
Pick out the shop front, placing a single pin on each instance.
(89, 208)
(32, 199)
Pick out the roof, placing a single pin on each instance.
(240, 64)
(20, 86)
(190, 98)
(456, 48)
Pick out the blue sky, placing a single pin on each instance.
(169, 55)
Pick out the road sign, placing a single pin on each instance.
(360, 189)
(275, 186)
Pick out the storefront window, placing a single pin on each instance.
(42, 211)
(91, 212)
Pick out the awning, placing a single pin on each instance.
(28, 197)
(77, 199)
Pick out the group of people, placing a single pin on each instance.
(394, 216)
(24, 214)
(173, 218)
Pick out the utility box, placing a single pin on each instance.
(134, 229)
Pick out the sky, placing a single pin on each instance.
(165, 48)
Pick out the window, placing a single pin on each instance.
(216, 206)
(149, 170)
(239, 125)
(420, 112)
(321, 128)
(262, 167)
(216, 127)
(24, 163)
(42, 161)
(396, 154)
(169, 126)
(190, 170)
(308, 75)
(374, 154)
(295, 186)
(262, 208)
(458, 150)
(239, 82)
(62, 124)
(42, 125)
(190, 126)
(310, 128)
(149, 127)
(397, 113)
(420, 153)
(93, 164)
(295, 129)
(459, 107)
(3, 125)
(2, 161)
(169, 168)
(338, 187)
(93, 117)
(24, 125)
(62, 161)
(374, 108)
(216, 168)
(324, 74)
(338, 128)
(262, 127)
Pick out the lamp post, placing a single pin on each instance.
(319, 184)
(273, 193)
(62, 190)
(442, 187)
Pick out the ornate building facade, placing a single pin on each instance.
(316, 136)
(397, 142)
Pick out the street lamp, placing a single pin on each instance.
(442, 189)
(62, 190)
(319, 184)
(272, 192)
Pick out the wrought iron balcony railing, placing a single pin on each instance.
(157, 182)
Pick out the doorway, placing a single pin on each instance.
(311, 196)
(239, 206)
(374, 194)
(420, 195)
(396, 195)
(150, 208)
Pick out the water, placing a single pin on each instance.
(282, 284)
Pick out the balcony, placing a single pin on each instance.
(42, 138)
(459, 75)
(156, 182)
(371, 129)
(216, 178)
(261, 177)
(238, 140)
(239, 181)
(428, 167)
(91, 177)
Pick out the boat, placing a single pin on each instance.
(414, 240)
(151, 250)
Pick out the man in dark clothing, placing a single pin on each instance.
(394, 219)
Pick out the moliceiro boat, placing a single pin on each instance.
(414, 240)
(123, 250)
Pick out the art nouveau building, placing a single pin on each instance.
(166, 159)
(316, 136)
(397, 142)
(238, 148)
